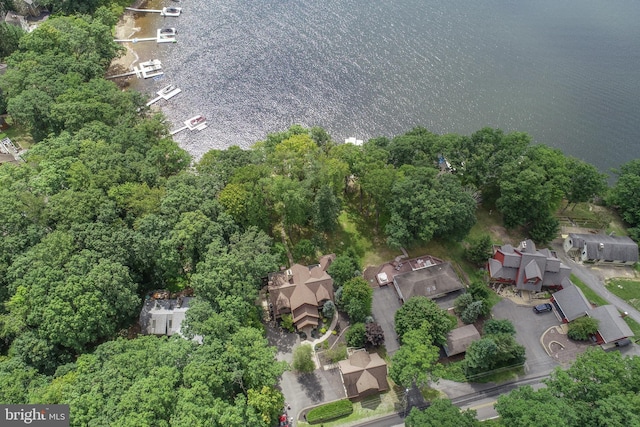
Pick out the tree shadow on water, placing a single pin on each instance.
(311, 386)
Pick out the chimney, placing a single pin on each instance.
(601, 246)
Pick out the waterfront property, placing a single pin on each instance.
(527, 268)
(301, 291)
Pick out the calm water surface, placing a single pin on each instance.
(567, 72)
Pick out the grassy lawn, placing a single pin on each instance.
(17, 135)
(592, 216)
(588, 292)
(628, 290)
(360, 236)
(498, 376)
(373, 406)
(635, 326)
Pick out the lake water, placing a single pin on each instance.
(565, 71)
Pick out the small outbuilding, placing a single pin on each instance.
(459, 339)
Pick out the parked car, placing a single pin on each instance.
(543, 308)
(623, 342)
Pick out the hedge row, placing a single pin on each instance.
(330, 411)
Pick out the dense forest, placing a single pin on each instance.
(106, 208)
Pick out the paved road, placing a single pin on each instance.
(469, 400)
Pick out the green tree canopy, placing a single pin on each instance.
(357, 297)
(442, 413)
(419, 311)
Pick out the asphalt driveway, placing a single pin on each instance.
(529, 328)
(303, 390)
(384, 307)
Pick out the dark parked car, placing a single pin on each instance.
(543, 308)
(623, 342)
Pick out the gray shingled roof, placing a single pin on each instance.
(610, 248)
(612, 326)
(572, 302)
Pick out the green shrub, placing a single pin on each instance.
(356, 335)
(330, 411)
(287, 322)
(336, 354)
(581, 329)
(323, 330)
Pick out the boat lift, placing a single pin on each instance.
(165, 93)
(194, 123)
(165, 11)
(144, 70)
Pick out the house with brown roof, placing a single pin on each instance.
(363, 374)
(601, 248)
(526, 267)
(428, 280)
(301, 291)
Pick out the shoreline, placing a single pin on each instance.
(126, 28)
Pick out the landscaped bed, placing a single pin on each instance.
(330, 411)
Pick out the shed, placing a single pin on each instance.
(459, 339)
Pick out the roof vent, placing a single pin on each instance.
(524, 244)
(601, 246)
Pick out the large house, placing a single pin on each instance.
(431, 281)
(527, 268)
(601, 248)
(301, 291)
(363, 374)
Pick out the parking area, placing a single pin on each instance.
(384, 307)
(303, 390)
(530, 327)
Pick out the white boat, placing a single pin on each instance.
(171, 11)
(167, 90)
(168, 31)
(197, 120)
